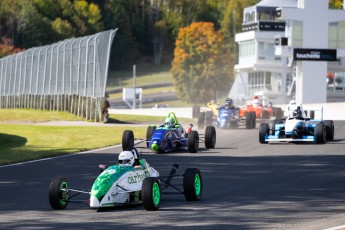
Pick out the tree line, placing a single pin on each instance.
(196, 36)
(147, 28)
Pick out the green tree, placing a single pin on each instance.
(201, 63)
(336, 4)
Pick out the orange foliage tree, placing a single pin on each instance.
(201, 63)
(6, 48)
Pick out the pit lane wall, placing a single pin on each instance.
(331, 111)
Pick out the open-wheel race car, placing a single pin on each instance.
(121, 185)
(226, 117)
(171, 136)
(297, 127)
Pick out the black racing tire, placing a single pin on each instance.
(192, 184)
(149, 132)
(253, 120)
(263, 131)
(329, 125)
(58, 196)
(277, 112)
(127, 140)
(151, 193)
(320, 133)
(193, 142)
(196, 110)
(209, 118)
(248, 120)
(265, 114)
(201, 120)
(210, 137)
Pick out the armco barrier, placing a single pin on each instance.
(331, 111)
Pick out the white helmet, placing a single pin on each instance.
(292, 102)
(126, 158)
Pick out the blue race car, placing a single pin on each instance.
(171, 136)
(230, 118)
(297, 127)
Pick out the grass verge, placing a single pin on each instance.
(29, 142)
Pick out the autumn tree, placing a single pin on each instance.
(200, 67)
(6, 48)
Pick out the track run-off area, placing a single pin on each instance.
(246, 185)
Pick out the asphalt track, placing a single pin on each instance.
(247, 185)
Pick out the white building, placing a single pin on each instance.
(270, 65)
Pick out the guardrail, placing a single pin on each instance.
(331, 111)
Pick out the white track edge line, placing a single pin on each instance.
(51, 158)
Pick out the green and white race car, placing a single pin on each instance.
(120, 185)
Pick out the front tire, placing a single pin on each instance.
(264, 131)
(210, 137)
(192, 184)
(127, 140)
(193, 142)
(58, 193)
(151, 193)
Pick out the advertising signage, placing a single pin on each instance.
(315, 54)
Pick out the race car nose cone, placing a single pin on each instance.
(154, 147)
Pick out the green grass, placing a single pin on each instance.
(28, 142)
(31, 115)
(125, 79)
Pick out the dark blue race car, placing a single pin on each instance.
(171, 136)
(230, 118)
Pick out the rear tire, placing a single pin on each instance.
(196, 110)
(149, 132)
(253, 120)
(320, 133)
(201, 120)
(127, 140)
(58, 196)
(193, 142)
(151, 193)
(265, 114)
(329, 125)
(248, 120)
(210, 137)
(209, 118)
(192, 184)
(264, 130)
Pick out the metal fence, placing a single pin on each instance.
(69, 75)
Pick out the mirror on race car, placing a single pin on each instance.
(101, 166)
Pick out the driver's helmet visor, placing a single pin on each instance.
(126, 161)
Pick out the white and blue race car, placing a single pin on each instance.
(297, 127)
